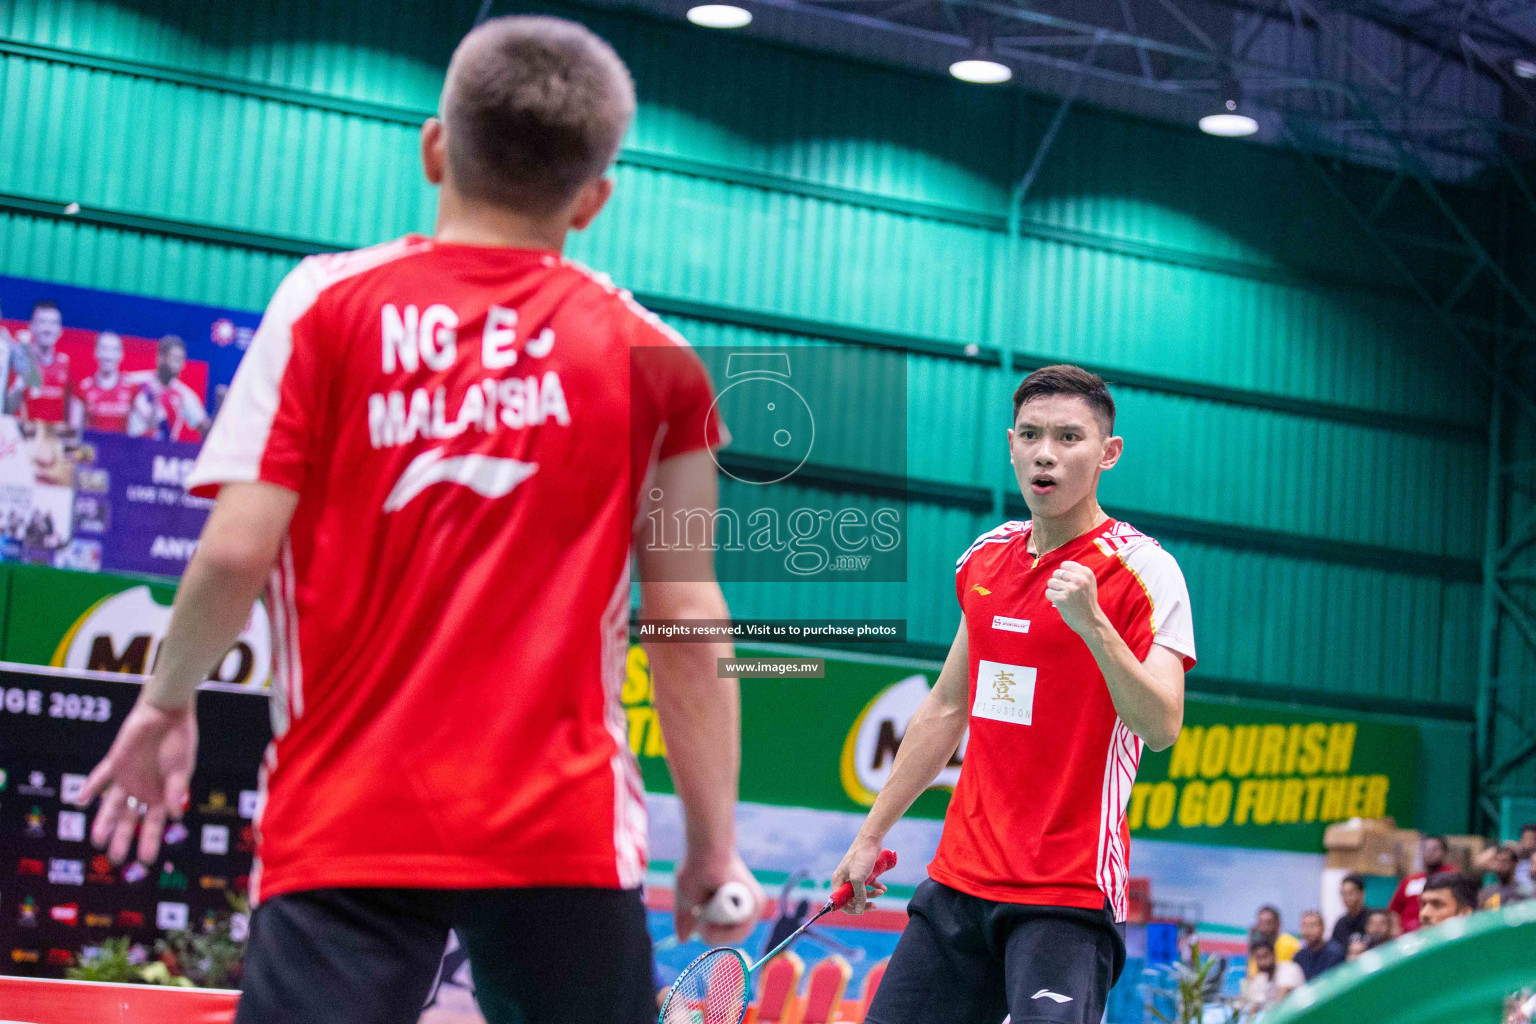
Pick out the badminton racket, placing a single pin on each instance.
(716, 987)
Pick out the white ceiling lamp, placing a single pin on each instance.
(1227, 121)
(720, 16)
(981, 71)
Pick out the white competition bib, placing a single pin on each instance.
(1004, 693)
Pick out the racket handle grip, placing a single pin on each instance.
(844, 892)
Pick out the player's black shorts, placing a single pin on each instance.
(966, 960)
(371, 956)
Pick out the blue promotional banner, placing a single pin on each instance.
(216, 337)
(132, 513)
(104, 400)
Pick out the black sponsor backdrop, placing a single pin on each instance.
(55, 725)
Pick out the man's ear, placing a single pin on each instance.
(1113, 449)
(590, 202)
(434, 150)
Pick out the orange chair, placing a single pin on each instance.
(824, 991)
(857, 1009)
(777, 982)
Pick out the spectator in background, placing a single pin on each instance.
(1446, 895)
(1379, 928)
(1523, 870)
(46, 397)
(165, 407)
(1266, 928)
(1352, 923)
(1504, 890)
(104, 399)
(1269, 979)
(1405, 902)
(1317, 952)
(1357, 944)
(1526, 849)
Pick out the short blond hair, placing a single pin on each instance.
(535, 108)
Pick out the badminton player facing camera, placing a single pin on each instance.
(1070, 657)
(432, 457)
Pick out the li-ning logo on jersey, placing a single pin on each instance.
(486, 475)
(1055, 997)
(979, 589)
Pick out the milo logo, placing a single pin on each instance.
(122, 633)
(869, 752)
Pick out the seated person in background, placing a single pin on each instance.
(1524, 870)
(1317, 952)
(1269, 980)
(1266, 928)
(1487, 861)
(1352, 922)
(1446, 895)
(1405, 902)
(1504, 890)
(1379, 928)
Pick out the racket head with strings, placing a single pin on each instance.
(713, 989)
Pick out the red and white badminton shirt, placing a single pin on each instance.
(451, 605)
(107, 406)
(1038, 815)
(49, 400)
(170, 412)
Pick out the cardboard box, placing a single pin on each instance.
(1463, 850)
(1366, 845)
(1409, 842)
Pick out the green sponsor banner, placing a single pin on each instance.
(1247, 774)
(5, 600)
(48, 606)
(105, 623)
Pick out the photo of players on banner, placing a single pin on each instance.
(98, 380)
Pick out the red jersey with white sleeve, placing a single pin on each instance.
(107, 405)
(468, 436)
(169, 412)
(1405, 900)
(1038, 816)
(47, 402)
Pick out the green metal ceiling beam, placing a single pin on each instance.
(995, 222)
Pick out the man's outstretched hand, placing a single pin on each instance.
(144, 779)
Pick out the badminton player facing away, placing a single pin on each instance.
(432, 457)
(1070, 658)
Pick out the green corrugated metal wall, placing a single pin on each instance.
(1298, 432)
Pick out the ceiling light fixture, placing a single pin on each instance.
(1227, 122)
(720, 16)
(981, 72)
